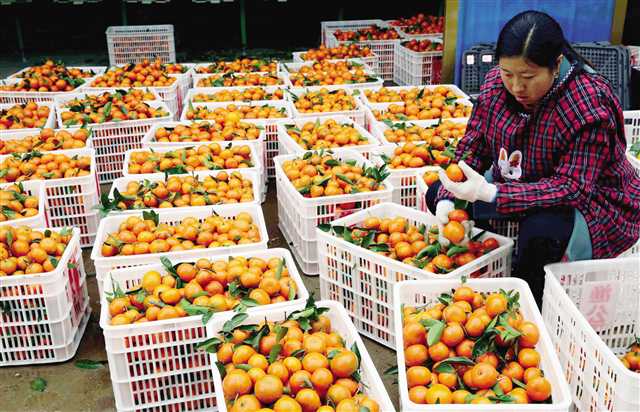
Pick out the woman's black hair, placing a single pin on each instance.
(537, 37)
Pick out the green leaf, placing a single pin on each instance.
(379, 247)
(107, 109)
(354, 349)
(430, 251)
(292, 294)
(486, 343)
(274, 352)
(460, 204)
(446, 299)
(254, 339)
(279, 269)
(435, 328)
(234, 322)
(446, 366)
(71, 265)
(210, 345)
(89, 364)
(171, 270)
(519, 383)
(8, 212)
(221, 369)
(366, 241)
(325, 227)
(392, 371)
(38, 385)
(151, 215)
(456, 250)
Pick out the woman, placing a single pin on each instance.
(546, 147)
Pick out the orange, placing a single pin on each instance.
(344, 364)
(414, 333)
(519, 395)
(268, 389)
(308, 399)
(459, 396)
(484, 376)
(418, 394)
(286, 404)
(246, 403)
(236, 383)
(321, 379)
(528, 358)
(418, 376)
(495, 304)
(530, 334)
(539, 389)
(438, 352)
(337, 393)
(313, 361)
(513, 370)
(438, 393)
(452, 334)
(416, 355)
(454, 173)
(454, 231)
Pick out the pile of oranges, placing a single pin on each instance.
(49, 77)
(46, 140)
(15, 203)
(245, 95)
(182, 191)
(421, 46)
(435, 136)
(417, 111)
(110, 107)
(323, 100)
(43, 166)
(341, 52)
(327, 73)
(292, 366)
(318, 174)
(189, 289)
(144, 74)
(436, 96)
(233, 113)
(208, 132)
(326, 135)
(25, 251)
(24, 116)
(631, 359)
(411, 155)
(482, 351)
(139, 236)
(240, 79)
(374, 32)
(398, 239)
(245, 65)
(185, 160)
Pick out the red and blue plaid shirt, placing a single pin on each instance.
(573, 154)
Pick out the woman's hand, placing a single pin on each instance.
(474, 188)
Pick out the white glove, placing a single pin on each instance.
(443, 208)
(474, 188)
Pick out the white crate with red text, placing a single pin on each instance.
(133, 44)
(299, 216)
(362, 280)
(42, 313)
(158, 364)
(592, 312)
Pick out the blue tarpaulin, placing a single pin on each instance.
(481, 20)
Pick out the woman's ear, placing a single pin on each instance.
(558, 63)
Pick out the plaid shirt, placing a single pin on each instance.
(573, 154)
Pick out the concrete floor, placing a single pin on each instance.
(73, 389)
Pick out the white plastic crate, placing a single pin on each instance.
(270, 128)
(379, 128)
(50, 123)
(340, 323)
(420, 36)
(299, 216)
(197, 77)
(171, 95)
(31, 188)
(357, 115)
(362, 280)
(294, 68)
(54, 354)
(632, 126)
(384, 49)
(97, 70)
(257, 167)
(403, 180)
(112, 139)
(452, 87)
(371, 60)
(9, 96)
(326, 26)
(111, 224)
(372, 122)
(71, 201)
(608, 289)
(132, 44)
(121, 185)
(634, 161)
(166, 349)
(212, 90)
(43, 311)
(420, 292)
(290, 146)
(416, 68)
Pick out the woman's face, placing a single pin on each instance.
(526, 81)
